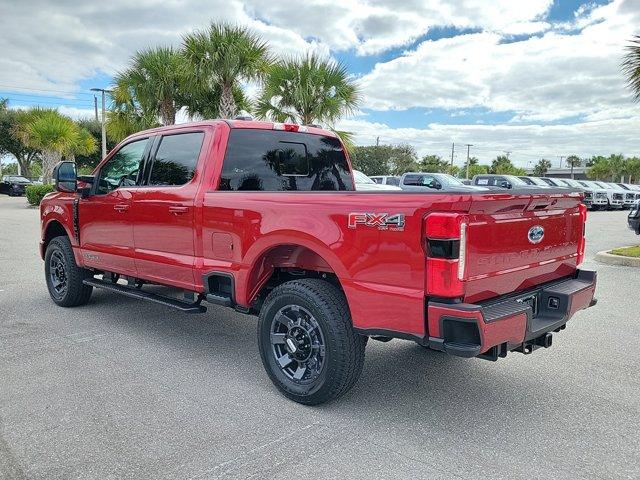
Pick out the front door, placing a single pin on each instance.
(163, 212)
(106, 230)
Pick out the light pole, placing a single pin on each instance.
(104, 128)
(469, 145)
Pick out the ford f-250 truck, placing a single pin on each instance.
(263, 218)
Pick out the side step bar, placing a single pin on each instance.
(184, 307)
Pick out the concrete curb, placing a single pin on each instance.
(610, 259)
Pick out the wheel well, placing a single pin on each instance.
(54, 229)
(281, 264)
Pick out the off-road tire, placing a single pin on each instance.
(343, 347)
(76, 293)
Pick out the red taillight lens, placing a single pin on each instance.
(582, 241)
(445, 266)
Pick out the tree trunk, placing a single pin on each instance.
(49, 160)
(25, 165)
(168, 112)
(227, 102)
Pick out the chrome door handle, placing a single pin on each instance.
(121, 208)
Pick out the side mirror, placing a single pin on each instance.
(505, 184)
(65, 177)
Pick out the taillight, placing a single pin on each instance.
(445, 236)
(583, 224)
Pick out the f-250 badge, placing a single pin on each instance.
(381, 221)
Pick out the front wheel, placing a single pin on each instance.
(307, 342)
(64, 277)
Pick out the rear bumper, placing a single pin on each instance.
(522, 322)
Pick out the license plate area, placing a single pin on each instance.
(532, 301)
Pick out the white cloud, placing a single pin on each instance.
(527, 143)
(567, 70)
(554, 76)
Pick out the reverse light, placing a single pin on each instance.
(445, 266)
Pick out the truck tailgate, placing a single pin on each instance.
(516, 241)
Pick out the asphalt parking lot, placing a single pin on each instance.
(125, 389)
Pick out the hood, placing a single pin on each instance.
(375, 186)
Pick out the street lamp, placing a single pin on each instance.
(104, 129)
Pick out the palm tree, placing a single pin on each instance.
(126, 116)
(631, 66)
(223, 56)
(156, 81)
(573, 161)
(541, 168)
(308, 90)
(54, 135)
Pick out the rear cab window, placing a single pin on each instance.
(176, 159)
(276, 161)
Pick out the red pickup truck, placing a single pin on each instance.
(263, 218)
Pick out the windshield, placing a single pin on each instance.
(18, 179)
(604, 185)
(449, 179)
(621, 185)
(539, 182)
(360, 177)
(515, 180)
(571, 183)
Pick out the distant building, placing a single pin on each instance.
(579, 173)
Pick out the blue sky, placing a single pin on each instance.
(528, 77)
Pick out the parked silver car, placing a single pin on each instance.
(434, 181)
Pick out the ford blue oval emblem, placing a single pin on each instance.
(536, 234)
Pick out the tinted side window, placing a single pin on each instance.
(267, 160)
(414, 180)
(176, 159)
(122, 169)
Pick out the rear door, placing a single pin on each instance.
(163, 210)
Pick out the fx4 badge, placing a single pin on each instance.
(382, 221)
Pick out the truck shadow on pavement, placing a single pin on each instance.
(401, 381)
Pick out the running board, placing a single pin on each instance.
(184, 307)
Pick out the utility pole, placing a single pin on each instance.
(95, 106)
(103, 119)
(377, 141)
(469, 145)
(507, 152)
(453, 145)
(561, 157)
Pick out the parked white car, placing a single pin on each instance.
(630, 194)
(595, 196)
(614, 195)
(364, 183)
(386, 180)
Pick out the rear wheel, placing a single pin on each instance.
(307, 342)
(64, 277)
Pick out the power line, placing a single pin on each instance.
(39, 96)
(19, 88)
(49, 102)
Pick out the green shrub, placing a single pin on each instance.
(35, 193)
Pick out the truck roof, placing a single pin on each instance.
(239, 123)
